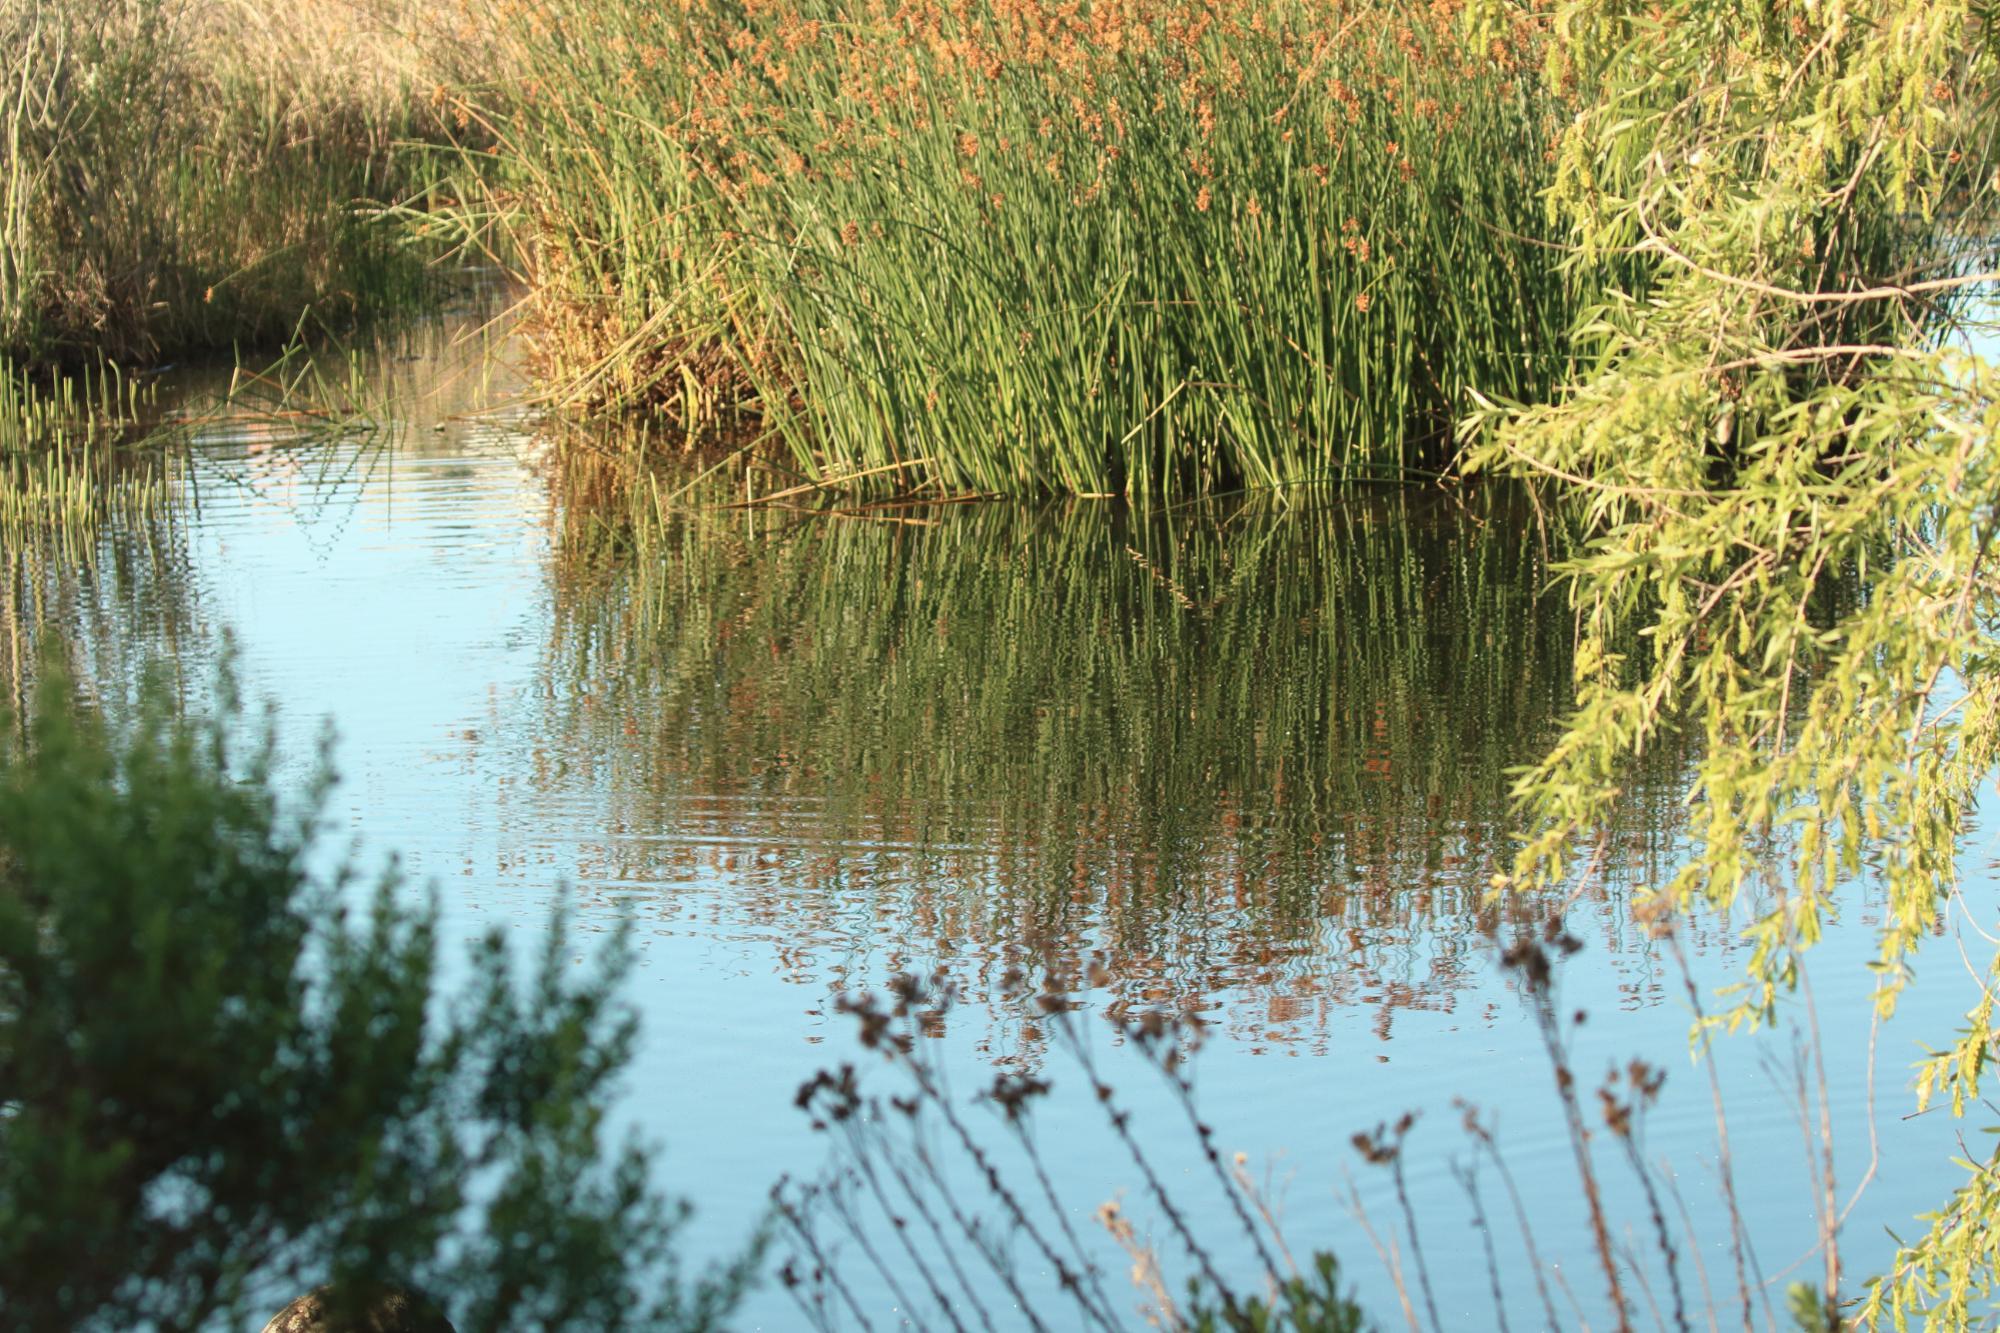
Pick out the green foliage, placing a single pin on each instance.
(63, 464)
(1301, 1303)
(1809, 1309)
(1786, 459)
(221, 1085)
(1025, 247)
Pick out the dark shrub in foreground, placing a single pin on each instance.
(221, 1087)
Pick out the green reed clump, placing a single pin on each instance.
(36, 415)
(166, 184)
(66, 456)
(1006, 245)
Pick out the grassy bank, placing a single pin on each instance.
(186, 174)
(1020, 247)
(182, 176)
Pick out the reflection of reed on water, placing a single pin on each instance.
(78, 594)
(102, 481)
(1260, 749)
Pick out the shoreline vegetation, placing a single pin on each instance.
(190, 177)
(187, 179)
(928, 252)
(1027, 248)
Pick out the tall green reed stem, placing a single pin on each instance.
(997, 246)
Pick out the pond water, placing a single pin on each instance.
(1245, 760)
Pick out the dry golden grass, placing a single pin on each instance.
(180, 173)
(380, 59)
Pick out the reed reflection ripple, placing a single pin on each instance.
(1246, 759)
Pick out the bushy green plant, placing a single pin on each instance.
(1301, 1303)
(220, 1083)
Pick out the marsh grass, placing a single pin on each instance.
(69, 489)
(178, 175)
(1005, 246)
(103, 475)
(78, 448)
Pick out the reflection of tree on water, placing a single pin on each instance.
(1256, 753)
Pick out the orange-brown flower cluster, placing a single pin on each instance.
(779, 91)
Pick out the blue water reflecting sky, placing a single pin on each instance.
(405, 586)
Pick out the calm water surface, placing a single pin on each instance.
(1246, 761)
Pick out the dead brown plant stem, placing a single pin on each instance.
(1638, 1271)
(1829, 1219)
(1121, 1125)
(1579, 1136)
(1694, 1249)
(1047, 1185)
(822, 1262)
(1739, 1247)
(990, 1172)
(1527, 1231)
(1661, 1232)
(844, 1210)
(1416, 1245)
(1468, 1179)
(1874, 1136)
(1390, 1260)
(970, 1228)
(865, 1164)
(945, 1247)
(1184, 1094)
